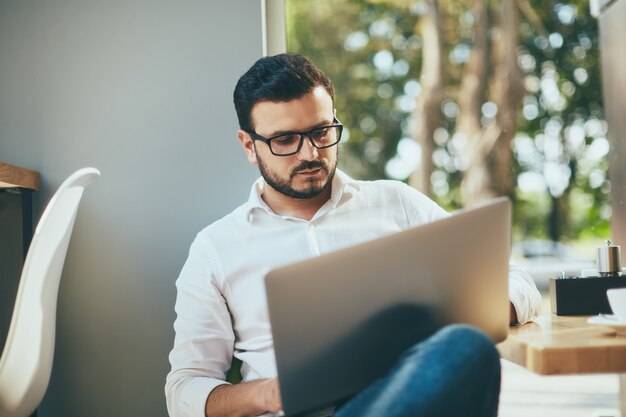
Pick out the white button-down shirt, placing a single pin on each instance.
(221, 306)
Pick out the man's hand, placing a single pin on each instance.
(512, 315)
(245, 399)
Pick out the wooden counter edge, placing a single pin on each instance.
(15, 176)
(544, 358)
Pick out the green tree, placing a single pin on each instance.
(375, 50)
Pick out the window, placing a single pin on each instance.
(471, 100)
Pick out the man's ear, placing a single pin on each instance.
(248, 146)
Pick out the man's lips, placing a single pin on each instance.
(309, 171)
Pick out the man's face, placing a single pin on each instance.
(310, 171)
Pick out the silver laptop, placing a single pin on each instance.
(341, 320)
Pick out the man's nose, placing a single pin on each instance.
(307, 152)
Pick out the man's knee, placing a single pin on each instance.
(473, 351)
(451, 361)
(462, 342)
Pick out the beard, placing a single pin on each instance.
(285, 186)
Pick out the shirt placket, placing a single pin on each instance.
(312, 238)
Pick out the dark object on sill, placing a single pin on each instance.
(574, 296)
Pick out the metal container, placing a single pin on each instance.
(609, 260)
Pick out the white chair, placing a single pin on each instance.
(26, 360)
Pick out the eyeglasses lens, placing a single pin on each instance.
(323, 137)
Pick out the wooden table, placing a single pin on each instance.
(12, 176)
(558, 345)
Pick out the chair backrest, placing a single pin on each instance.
(26, 361)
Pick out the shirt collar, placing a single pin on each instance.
(343, 185)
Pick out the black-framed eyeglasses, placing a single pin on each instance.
(290, 143)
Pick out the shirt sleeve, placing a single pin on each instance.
(523, 293)
(203, 344)
(419, 209)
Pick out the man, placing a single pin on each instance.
(303, 207)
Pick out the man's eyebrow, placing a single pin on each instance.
(315, 126)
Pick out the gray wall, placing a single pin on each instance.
(142, 90)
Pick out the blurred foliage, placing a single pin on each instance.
(372, 51)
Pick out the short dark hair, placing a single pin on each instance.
(277, 78)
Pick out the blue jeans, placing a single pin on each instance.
(455, 372)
